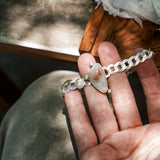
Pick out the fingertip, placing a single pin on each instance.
(85, 58)
(84, 62)
(106, 46)
(108, 53)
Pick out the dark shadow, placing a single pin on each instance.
(71, 133)
(139, 96)
(23, 70)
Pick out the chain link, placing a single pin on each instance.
(75, 84)
(124, 65)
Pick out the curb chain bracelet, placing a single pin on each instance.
(98, 75)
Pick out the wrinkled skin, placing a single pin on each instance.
(121, 137)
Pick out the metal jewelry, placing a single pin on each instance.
(98, 75)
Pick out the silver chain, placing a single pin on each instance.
(124, 65)
(75, 84)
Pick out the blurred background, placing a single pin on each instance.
(51, 30)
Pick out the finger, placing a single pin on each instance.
(83, 132)
(150, 79)
(100, 110)
(122, 96)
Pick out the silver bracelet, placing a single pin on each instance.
(98, 75)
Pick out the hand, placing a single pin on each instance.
(103, 139)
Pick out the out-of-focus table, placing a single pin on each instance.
(45, 28)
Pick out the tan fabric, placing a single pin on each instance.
(35, 127)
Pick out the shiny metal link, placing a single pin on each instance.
(124, 65)
(75, 84)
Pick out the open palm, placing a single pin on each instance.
(121, 135)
